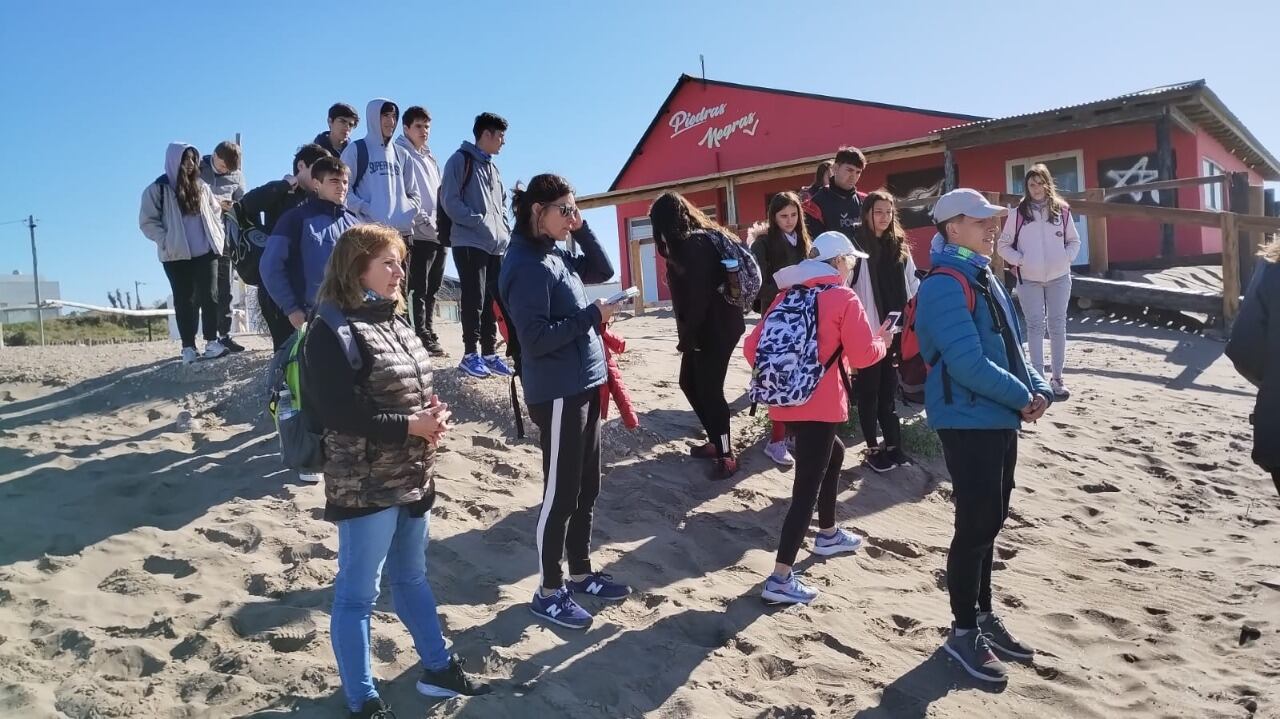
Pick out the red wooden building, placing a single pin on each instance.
(730, 147)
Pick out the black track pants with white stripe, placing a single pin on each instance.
(570, 439)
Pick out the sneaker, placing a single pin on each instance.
(601, 586)
(788, 590)
(374, 709)
(899, 458)
(1060, 391)
(450, 682)
(705, 451)
(311, 477)
(214, 350)
(474, 366)
(725, 467)
(559, 608)
(231, 345)
(189, 355)
(1000, 638)
(839, 543)
(973, 651)
(432, 343)
(878, 459)
(498, 366)
(777, 451)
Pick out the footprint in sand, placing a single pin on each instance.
(299, 553)
(1138, 562)
(176, 568)
(131, 662)
(241, 535)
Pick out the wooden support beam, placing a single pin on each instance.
(635, 267)
(1099, 249)
(1165, 185)
(1202, 218)
(731, 203)
(1230, 269)
(948, 171)
(1164, 166)
(1253, 239)
(1144, 295)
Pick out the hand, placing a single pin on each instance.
(606, 310)
(226, 205)
(297, 318)
(1035, 409)
(575, 221)
(886, 333)
(430, 423)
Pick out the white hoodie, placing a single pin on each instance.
(388, 192)
(1046, 249)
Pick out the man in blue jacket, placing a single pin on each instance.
(298, 249)
(978, 393)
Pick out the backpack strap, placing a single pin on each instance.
(970, 301)
(362, 162)
(331, 315)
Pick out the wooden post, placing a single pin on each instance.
(1230, 269)
(997, 262)
(1099, 250)
(1164, 166)
(636, 268)
(1251, 241)
(731, 203)
(948, 170)
(1237, 191)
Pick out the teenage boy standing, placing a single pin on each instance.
(342, 120)
(426, 254)
(221, 172)
(838, 206)
(382, 188)
(978, 393)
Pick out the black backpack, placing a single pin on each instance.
(513, 351)
(246, 242)
(444, 225)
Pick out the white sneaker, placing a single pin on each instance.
(843, 541)
(1060, 391)
(311, 478)
(189, 355)
(778, 452)
(214, 350)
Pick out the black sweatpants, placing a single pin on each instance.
(876, 388)
(570, 439)
(195, 299)
(426, 273)
(478, 275)
(819, 456)
(277, 321)
(981, 464)
(224, 296)
(702, 374)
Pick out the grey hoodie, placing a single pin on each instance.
(160, 218)
(388, 192)
(427, 174)
(228, 186)
(478, 211)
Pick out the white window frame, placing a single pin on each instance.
(633, 223)
(1213, 192)
(1027, 162)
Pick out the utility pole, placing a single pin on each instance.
(35, 270)
(137, 293)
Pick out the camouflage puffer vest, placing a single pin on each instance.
(359, 472)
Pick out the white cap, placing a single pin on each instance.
(964, 201)
(831, 244)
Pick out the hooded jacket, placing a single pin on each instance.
(426, 173)
(160, 218)
(541, 286)
(991, 382)
(298, 249)
(228, 185)
(478, 210)
(842, 323)
(832, 208)
(1047, 247)
(324, 141)
(772, 255)
(388, 192)
(1254, 349)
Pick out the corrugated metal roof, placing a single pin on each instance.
(1145, 94)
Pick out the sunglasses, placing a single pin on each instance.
(566, 210)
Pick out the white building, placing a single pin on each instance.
(18, 291)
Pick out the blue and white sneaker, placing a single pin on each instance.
(840, 542)
(559, 608)
(788, 590)
(601, 586)
(474, 366)
(497, 365)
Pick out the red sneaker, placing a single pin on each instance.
(725, 467)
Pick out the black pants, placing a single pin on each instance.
(277, 321)
(702, 374)
(224, 296)
(426, 273)
(195, 300)
(981, 464)
(478, 275)
(570, 439)
(819, 456)
(876, 388)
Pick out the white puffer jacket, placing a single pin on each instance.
(1046, 248)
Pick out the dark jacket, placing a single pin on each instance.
(832, 208)
(704, 318)
(298, 249)
(323, 141)
(772, 254)
(541, 287)
(1255, 350)
(264, 205)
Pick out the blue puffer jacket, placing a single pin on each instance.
(986, 392)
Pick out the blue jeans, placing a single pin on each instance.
(365, 544)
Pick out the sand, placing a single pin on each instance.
(156, 564)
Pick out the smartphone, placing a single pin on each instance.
(894, 321)
(622, 296)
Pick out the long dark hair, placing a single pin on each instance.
(189, 182)
(542, 189)
(894, 238)
(673, 219)
(1053, 200)
(780, 202)
(821, 176)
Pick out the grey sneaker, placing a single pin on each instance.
(1000, 638)
(974, 654)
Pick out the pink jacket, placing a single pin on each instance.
(841, 322)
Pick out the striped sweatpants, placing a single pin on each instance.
(570, 439)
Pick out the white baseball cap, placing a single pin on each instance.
(967, 202)
(831, 244)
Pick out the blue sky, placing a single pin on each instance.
(93, 92)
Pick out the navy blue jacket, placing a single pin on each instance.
(298, 249)
(541, 288)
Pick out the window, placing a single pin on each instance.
(1212, 193)
(639, 228)
(1067, 169)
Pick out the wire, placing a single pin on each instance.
(13, 222)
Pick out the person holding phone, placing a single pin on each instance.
(885, 282)
(381, 425)
(563, 367)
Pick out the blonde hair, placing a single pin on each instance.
(354, 251)
(1270, 251)
(1053, 201)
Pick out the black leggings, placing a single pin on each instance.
(277, 322)
(195, 301)
(569, 430)
(224, 296)
(426, 273)
(702, 374)
(819, 457)
(981, 463)
(478, 275)
(876, 388)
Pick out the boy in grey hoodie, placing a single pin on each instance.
(382, 187)
(426, 254)
(221, 172)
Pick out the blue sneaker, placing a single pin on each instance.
(474, 366)
(601, 586)
(497, 365)
(838, 543)
(787, 590)
(559, 608)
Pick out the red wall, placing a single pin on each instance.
(1208, 147)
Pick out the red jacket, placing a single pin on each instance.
(841, 323)
(614, 388)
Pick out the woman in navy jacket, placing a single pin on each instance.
(1255, 350)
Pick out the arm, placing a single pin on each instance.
(358, 205)
(274, 265)
(150, 216)
(256, 201)
(331, 394)
(760, 249)
(452, 191)
(861, 347)
(527, 299)
(1004, 245)
(945, 319)
(593, 265)
(1072, 236)
(238, 193)
(411, 188)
